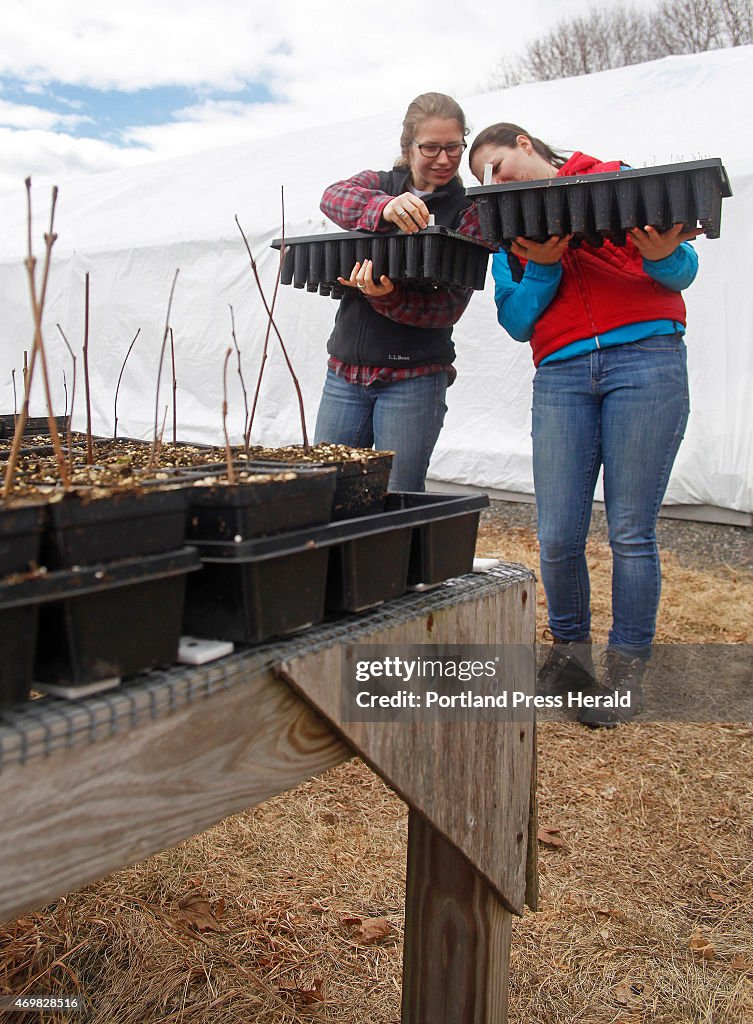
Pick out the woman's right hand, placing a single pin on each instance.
(407, 212)
(545, 253)
(362, 278)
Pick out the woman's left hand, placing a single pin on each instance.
(362, 278)
(656, 245)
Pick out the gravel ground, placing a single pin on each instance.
(696, 545)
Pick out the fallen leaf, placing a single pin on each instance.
(717, 896)
(308, 995)
(372, 929)
(195, 911)
(739, 963)
(550, 837)
(349, 921)
(701, 945)
(632, 993)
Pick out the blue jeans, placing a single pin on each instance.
(624, 408)
(403, 417)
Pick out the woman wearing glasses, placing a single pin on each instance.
(606, 328)
(391, 349)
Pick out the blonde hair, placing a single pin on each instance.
(428, 104)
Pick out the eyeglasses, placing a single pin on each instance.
(453, 150)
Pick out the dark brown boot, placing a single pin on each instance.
(617, 698)
(568, 668)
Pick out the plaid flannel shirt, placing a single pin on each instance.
(358, 203)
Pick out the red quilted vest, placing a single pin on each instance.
(601, 288)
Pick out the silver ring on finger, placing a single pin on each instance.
(402, 214)
(361, 285)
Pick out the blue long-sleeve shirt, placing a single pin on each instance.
(520, 304)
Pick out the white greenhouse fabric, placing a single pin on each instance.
(132, 229)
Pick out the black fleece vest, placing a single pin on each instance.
(363, 337)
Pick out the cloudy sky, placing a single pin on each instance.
(87, 87)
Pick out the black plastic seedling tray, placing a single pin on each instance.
(34, 425)
(20, 536)
(436, 256)
(251, 591)
(280, 500)
(86, 530)
(112, 620)
(596, 207)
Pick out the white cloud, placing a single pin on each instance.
(18, 115)
(321, 64)
(53, 156)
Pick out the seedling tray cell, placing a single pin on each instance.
(112, 620)
(20, 537)
(605, 206)
(443, 544)
(19, 611)
(82, 530)
(434, 257)
(255, 590)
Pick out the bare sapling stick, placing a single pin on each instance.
(257, 389)
(175, 389)
(161, 435)
(49, 239)
(240, 376)
(228, 453)
(87, 392)
(265, 350)
(37, 303)
(69, 421)
(273, 325)
(15, 396)
(154, 453)
(117, 387)
(26, 375)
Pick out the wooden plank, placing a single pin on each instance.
(532, 856)
(457, 937)
(470, 780)
(73, 817)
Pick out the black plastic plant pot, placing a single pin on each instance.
(110, 621)
(20, 536)
(255, 590)
(19, 610)
(444, 543)
(84, 530)
(360, 485)
(435, 256)
(605, 206)
(264, 505)
(365, 571)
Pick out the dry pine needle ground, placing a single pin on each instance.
(293, 911)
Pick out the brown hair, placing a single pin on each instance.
(428, 104)
(505, 134)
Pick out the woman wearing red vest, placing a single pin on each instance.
(606, 328)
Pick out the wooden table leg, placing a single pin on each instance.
(457, 937)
